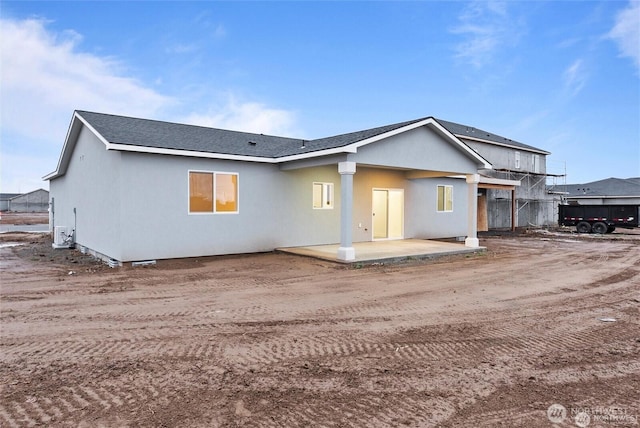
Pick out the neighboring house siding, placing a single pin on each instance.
(534, 206)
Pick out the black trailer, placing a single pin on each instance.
(598, 218)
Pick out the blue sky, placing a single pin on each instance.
(563, 76)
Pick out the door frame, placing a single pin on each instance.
(388, 190)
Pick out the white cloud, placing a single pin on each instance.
(626, 32)
(45, 77)
(486, 27)
(181, 48)
(23, 173)
(575, 77)
(219, 32)
(248, 117)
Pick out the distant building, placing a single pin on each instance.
(524, 205)
(610, 191)
(4, 200)
(32, 202)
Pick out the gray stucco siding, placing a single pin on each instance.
(505, 158)
(421, 207)
(91, 186)
(274, 209)
(418, 148)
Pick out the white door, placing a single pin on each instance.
(388, 213)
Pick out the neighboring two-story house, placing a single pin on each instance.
(511, 160)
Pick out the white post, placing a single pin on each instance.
(346, 251)
(472, 213)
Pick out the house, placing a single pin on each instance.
(133, 189)
(32, 202)
(499, 207)
(610, 191)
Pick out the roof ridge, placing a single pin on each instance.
(167, 122)
(391, 125)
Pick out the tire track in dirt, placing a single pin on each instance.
(358, 410)
(586, 372)
(350, 352)
(169, 346)
(78, 399)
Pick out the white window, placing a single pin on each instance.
(213, 192)
(322, 196)
(536, 163)
(445, 198)
(517, 158)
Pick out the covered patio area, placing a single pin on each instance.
(386, 251)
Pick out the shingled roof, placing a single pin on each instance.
(471, 133)
(166, 135)
(176, 136)
(609, 187)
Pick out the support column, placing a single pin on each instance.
(513, 210)
(346, 251)
(472, 213)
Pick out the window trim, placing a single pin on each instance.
(517, 160)
(214, 211)
(332, 193)
(444, 195)
(535, 164)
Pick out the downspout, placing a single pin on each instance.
(73, 232)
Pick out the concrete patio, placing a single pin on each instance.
(386, 251)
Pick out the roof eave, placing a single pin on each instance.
(496, 143)
(69, 143)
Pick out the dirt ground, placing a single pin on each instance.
(24, 218)
(275, 340)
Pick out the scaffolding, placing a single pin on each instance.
(538, 199)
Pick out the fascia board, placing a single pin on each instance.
(190, 153)
(499, 181)
(352, 148)
(66, 147)
(495, 143)
(92, 129)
